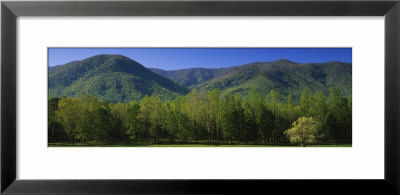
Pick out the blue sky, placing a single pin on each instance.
(180, 58)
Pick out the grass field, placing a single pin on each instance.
(191, 145)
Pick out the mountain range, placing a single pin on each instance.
(283, 75)
(117, 78)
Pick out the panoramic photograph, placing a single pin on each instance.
(199, 97)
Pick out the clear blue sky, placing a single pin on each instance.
(180, 58)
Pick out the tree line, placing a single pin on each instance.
(204, 117)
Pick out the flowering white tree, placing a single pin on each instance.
(305, 130)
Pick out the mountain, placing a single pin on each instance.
(113, 78)
(283, 75)
(117, 78)
(192, 76)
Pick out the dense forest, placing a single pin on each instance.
(203, 117)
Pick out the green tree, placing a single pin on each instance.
(119, 113)
(102, 123)
(319, 110)
(55, 129)
(172, 120)
(68, 115)
(339, 124)
(152, 115)
(290, 110)
(192, 108)
(233, 118)
(305, 103)
(86, 129)
(266, 123)
(205, 114)
(131, 120)
(177, 123)
(215, 113)
(252, 114)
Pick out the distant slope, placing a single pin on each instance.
(285, 76)
(192, 76)
(113, 78)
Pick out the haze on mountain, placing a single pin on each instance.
(117, 78)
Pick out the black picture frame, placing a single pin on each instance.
(11, 10)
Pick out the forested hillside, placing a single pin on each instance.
(192, 76)
(117, 78)
(285, 76)
(114, 78)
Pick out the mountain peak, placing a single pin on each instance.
(114, 63)
(284, 61)
(108, 56)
